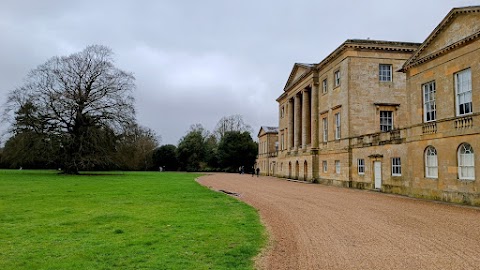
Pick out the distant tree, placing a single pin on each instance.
(82, 102)
(230, 123)
(135, 148)
(237, 149)
(192, 150)
(166, 156)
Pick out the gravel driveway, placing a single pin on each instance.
(322, 227)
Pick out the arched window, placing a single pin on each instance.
(466, 162)
(431, 162)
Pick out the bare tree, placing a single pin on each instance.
(82, 100)
(231, 123)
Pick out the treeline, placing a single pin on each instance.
(225, 149)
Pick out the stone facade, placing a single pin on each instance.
(393, 116)
(267, 150)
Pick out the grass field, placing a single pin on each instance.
(134, 220)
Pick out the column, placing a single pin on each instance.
(305, 118)
(297, 134)
(314, 116)
(290, 124)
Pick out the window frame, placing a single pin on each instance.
(388, 125)
(361, 166)
(396, 166)
(430, 105)
(337, 77)
(431, 152)
(337, 167)
(338, 121)
(459, 84)
(460, 161)
(382, 76)
(325, 166)
(324, 86)
(325, 129)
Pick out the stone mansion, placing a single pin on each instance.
(398, 117)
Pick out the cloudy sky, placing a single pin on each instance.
(197, 61)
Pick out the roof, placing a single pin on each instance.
(416, 59)
(268, 130)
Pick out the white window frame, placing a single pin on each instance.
(325, 129)
(337, 77)
(325, 166)
(466, 162)
(361, 166)
(337, 126)
(429, 103)
(324, 86)
(385, 73)
(431, 162)
(386, 121)
(463, 92)
(337, 166)
(396, 166)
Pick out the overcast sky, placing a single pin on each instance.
(197, 61)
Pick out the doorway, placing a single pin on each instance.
(377, 172)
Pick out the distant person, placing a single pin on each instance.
(243, 170)
(258, 172)
(240, 170)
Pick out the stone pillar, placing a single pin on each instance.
(315, 128)
(305, 118)
(290, 124)
(314, 115)
(297, 134)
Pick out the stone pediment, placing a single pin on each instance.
(461, 25)
(299, 70)
(267, 130)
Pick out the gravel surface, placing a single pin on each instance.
(323, 227)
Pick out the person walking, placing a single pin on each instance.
(258, 172)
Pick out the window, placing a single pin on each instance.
(386, 121)
(325, 129)
(282, 142)
(429, 105)
(337, 166)
(431, 162)
(463, 89)
(336, 75)
(324, 164)
(385, 73)
(466, 162)
(282, 112)
(324, 86)
(396, 166)
(337, 126)
(361, 165)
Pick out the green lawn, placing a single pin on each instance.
(139, 220)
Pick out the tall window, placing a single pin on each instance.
(386, 121)
(337, 166)
(463, 89)
(282, 112)
(324, 164)
(396, 166)
(431, 162)
(385, 73)
(466, 162)
(325, 129)
(337, 126)
(282, 142)
(336, 76)
(324, 86)
(429, 105)
(361, 165)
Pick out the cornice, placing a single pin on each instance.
(440, 27)
(441, 52)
